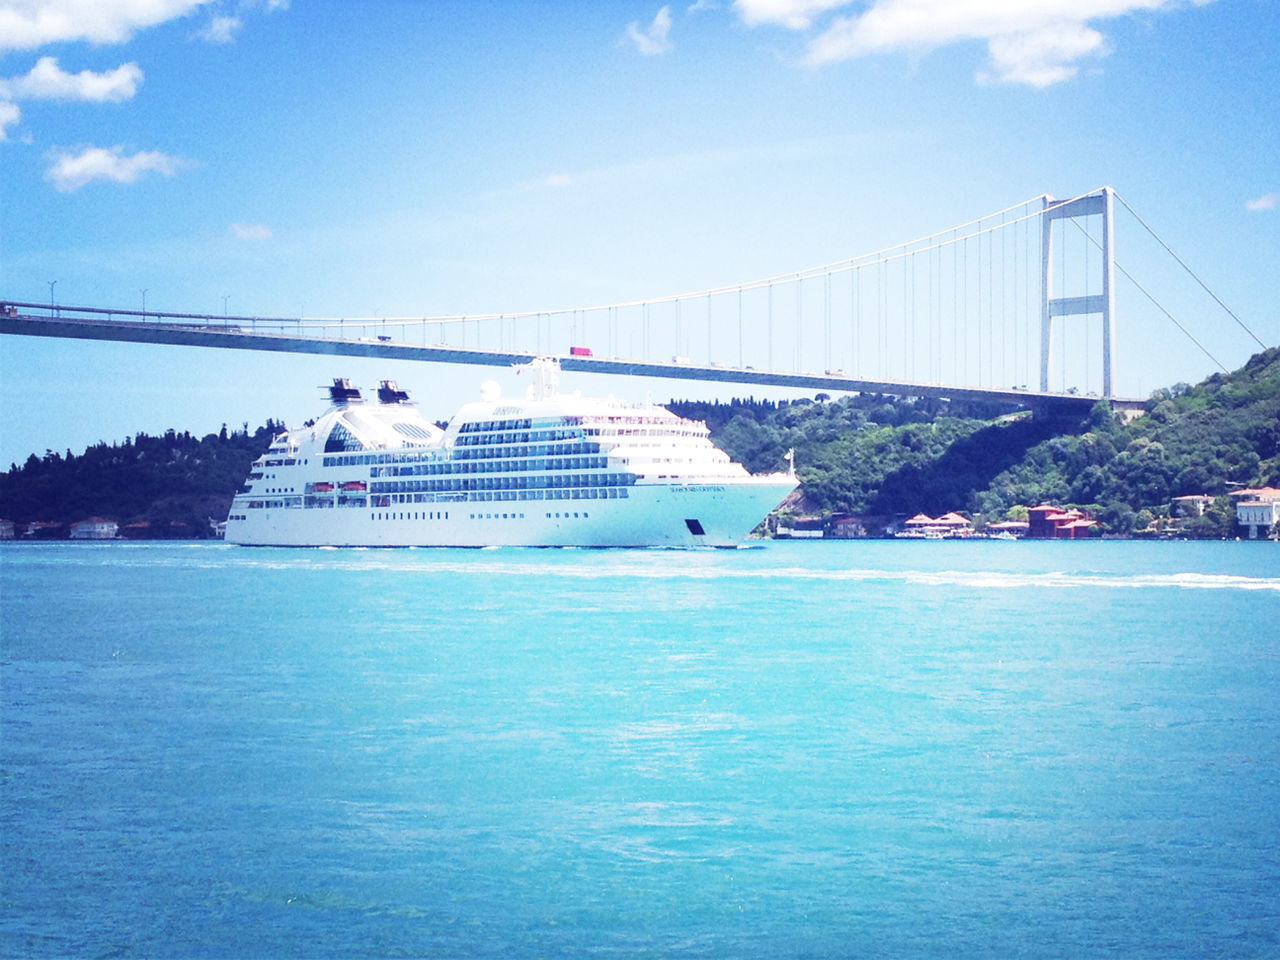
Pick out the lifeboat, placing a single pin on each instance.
(322, 487)
(354, 486)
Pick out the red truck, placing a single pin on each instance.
(579, 351)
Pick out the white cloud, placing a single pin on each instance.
(250, 231)
(71, 171)
(9, 114)
(220, 30)
(557, 180)
(1036, 43)
(700, 5)
(796, 14)
(29, 24)
(1268, 201)
(1042, 57)
(48, 81)
(654, 39)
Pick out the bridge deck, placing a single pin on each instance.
(229, 333)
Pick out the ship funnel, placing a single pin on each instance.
(343, 392)
(389, 392)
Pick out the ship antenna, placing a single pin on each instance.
(545, 376)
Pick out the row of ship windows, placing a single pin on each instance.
(365, 459)
(484, 496)
(525, 436)
(452, 468)
(538, 481)
(531, 450)
(432, 457)
(489, 426)
(478, 496)
(483, 426)
(666, 432)
(486, 426)
(419, 515)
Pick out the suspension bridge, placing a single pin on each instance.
(1017, 306)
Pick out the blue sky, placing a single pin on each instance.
(377, 159)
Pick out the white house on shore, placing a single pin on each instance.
(95, 528)
(1259, 510)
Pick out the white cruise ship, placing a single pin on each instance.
(547, 470)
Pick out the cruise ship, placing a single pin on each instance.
(549, 469)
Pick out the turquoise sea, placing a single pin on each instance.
(855, 749)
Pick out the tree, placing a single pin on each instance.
(1217, 523)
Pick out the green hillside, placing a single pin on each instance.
(882, 459)
(175, 483)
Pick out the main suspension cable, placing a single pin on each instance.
(1203, 285)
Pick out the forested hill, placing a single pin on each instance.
(883, 459)
(175, 483)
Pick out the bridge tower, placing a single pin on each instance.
(1102, 202)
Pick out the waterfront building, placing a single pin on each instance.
(922, 526)
(801, 528)
(1258, 509)
(1048, 522)
(846, 526)
(94, 528)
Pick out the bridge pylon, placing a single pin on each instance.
(1100, 203)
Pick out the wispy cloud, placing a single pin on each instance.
(1268, 201)
(557, 180)
(69, 171)
(655, 38)
(48, 81)
(29, 24)
(795, 14)
(9, 115)
(1037, 44)
(250, 231)
(220, 30)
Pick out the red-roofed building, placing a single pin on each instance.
(1048, 522)
(923, 526)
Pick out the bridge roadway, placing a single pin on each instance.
(197, 330)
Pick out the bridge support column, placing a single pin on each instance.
(1108, 291)
(1046, 285)
(1100, 203)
